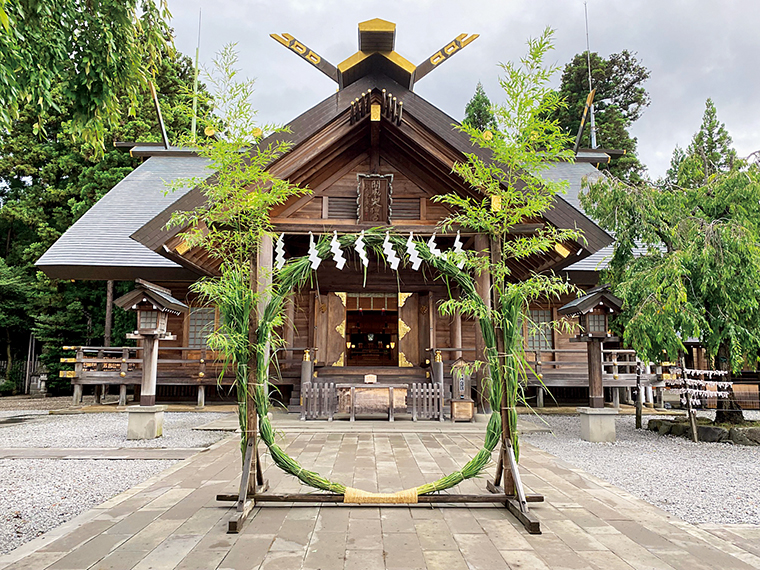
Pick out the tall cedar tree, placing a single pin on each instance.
(700, 275)
(477, 113)
(47, 181)
(619, 101)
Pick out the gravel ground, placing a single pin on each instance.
(57, 403)
(698, 482)
(37, 495)
(38, 429)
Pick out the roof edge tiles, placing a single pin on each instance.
(97, 246)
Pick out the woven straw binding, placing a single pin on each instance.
(359, 497)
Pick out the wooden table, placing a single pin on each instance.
(352, 389)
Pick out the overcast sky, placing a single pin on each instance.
(694, 50)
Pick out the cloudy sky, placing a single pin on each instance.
(694, 49)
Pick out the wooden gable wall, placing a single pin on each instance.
(337, 203)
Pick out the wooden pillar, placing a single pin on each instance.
(149, 371)
(595, 387)
(201, 396)
(122, 395)
(77, 395)
(539, 397)
(483, 287)
(455, 335)
(288, 333)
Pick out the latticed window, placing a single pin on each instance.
(597, 322)
(539, 330)
(201, 326)
(148, 319)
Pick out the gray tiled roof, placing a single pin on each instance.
(98, 245)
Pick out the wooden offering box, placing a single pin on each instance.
(462, 410)
(371, 398)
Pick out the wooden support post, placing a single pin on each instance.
(353, 403)
(616, 397)
(658, 398)
(150, 370)
(438, 377)
(455, 336)
(390, 403)
(483, 288)
(307, 372)
(122, 395)
(201, 396)
(639, 396)
(539, 397)
(77, 400)
(595, 386)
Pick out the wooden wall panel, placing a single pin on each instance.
(312, 210)
(335, 354)
(408, 336)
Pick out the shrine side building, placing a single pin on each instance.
(373, 154)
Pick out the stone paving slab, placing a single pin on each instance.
(292, 423)
(136, 453)
(174, 522)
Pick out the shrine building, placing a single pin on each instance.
(373, 154)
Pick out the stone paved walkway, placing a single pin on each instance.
(173, 521)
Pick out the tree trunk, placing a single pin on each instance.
(109, 314)
(729, 411)
(9, 353)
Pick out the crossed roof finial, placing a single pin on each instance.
(377, 39)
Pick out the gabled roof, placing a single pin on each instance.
(335, 109)
(160, 297)
(590, 301)
(98, 245)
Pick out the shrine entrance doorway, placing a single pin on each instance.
(372, 336)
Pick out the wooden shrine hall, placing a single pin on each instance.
(373, 154)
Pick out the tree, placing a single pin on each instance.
(709, 152)
(90, 57)
(700, 275)
(619, 101)
(477, 113)
(522, 146)
(47, 181)
(231, 225)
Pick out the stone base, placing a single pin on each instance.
(598, 424)
(145, 422)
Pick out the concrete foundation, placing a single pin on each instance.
(145, 422)
(598, 424)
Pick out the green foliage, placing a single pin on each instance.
(232, 222)
(708, 153)
(294, 275)
(477, 113)
(514, 192)
(47, 181)
(86, 57)
(620, 100)
(700, 274)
